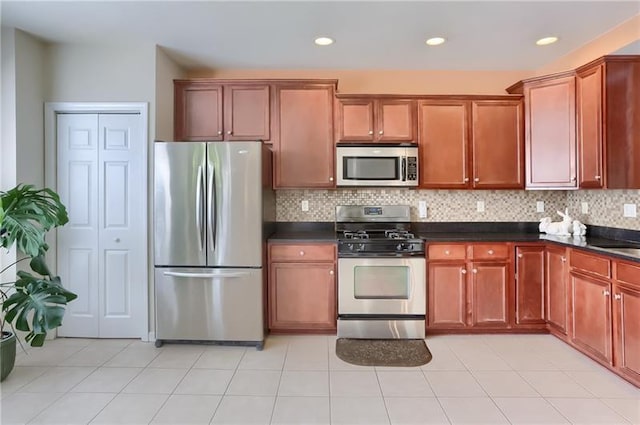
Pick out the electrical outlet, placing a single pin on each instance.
(422, 209)
(305, 205)
(584, 208)
(480, 206)
(630, 210)
(540, 206)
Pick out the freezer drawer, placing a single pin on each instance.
(209, 305)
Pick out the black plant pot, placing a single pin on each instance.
(7, 354)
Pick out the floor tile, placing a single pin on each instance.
(415, 411)
(244, 410)
(58, 379)
(586, 411)
(532, 411)
(481, 358)
(133, 357)
(112, 342)
(301, 410)
(155, 381)
(92, 356)
(187, 409)
(472, 410)
(554, 384)
(628, 408)
(304, 383)
(454, 384)
(358, 410)
(504, 384)
(604, 384)
(307, 358)
(177, 357)
(205, 381)
(107, 380)
(220, 358)
(20, 408)
(47, 356)
(355, 384)
(254, 383)
(443, 358)
(73, 408)
(404, 384)
(19, 377)
(270, 358)
(129, 409)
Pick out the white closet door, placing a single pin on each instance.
(122, 232)
(77, 243)
(102, 250)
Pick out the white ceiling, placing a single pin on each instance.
(481, 35)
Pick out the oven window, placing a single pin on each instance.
(371, 168)
(381, 282)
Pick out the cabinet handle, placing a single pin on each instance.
(490, 252)
(573, 179)
(617, 297)
(475, 270)
(229, 132)
(331, 272)
(446, 252)
(597, 177)
(477, 179)
(563, 259)
(606, 293)
(219, 132)
(466, 179)
(519, 255)
(301, 253)
(463, 271)
(380, 132)
(330, 179)
(370, 131)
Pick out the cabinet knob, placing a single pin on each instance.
(597, 177)
(381, 132)
(463, 271)
(606, 293)
(617, 297)
(466, 179)
(477, 179)
(219, 132)
(331, 272)
(370, 131)
(563, 259)
(573, 179)
(475, 270)
(301, 253)
(229, 132)
(519, 255)
(446, 252)
(330, 179)
(490, 252)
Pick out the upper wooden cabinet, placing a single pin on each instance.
(471, 143)
(550, 131)
(608, 111)
(303, 145)
(375, 119)
(211, 110)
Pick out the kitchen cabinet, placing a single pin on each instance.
(529, 283)
(471, 143)
(608, 117)
(368, 118)
(469, 286)
(212, 110)
(550, 131)
(626, 320)
(302, 287)
(556, 290)
(303, 148)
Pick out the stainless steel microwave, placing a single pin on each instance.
(376, 165)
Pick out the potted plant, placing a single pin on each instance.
(31, 302)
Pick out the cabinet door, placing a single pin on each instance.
(530, 285)
(497, 144)
(556, 306)
(395, 120)
(443, 139)
(550, 142)
(302, 296)
(591, 320)
(447, 295)
(626, 313)
(355, 120)
(304, 149)
(247, 112)
(590, 147)
(489, 294)
(198, 111)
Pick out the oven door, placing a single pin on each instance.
(382, 286)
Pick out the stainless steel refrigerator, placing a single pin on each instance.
(213, 205)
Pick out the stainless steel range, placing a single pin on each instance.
(381, 273)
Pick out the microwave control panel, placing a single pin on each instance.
(412, 168)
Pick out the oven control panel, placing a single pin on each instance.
(382, 248)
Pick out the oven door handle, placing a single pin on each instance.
(404, 168)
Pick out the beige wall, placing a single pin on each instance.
(166, 71)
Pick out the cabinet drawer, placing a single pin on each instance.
(302, 252)
(489, 251)
(628, 273)
(446, 252)
(590, 263)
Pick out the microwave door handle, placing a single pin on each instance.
(404, 168)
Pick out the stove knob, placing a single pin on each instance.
(361, 247)
(403, 247)
(350, 247)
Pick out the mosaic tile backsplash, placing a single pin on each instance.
(605, 206)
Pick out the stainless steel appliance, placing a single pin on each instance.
(212, 205)
(381, 273)
(376, 165)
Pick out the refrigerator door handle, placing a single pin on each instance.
(199, 208)
(212, 208)
(205, 275)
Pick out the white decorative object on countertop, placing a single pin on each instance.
(579, 229)
(560, 228)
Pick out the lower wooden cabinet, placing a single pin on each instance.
(447, 284)
(530, 276)
(302, 287)
(489, 294)
(626, 321)
(556, 289)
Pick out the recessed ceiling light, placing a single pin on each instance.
(323, 41)
(546, 40)
(435, 41)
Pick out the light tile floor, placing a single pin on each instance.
(472, 379)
